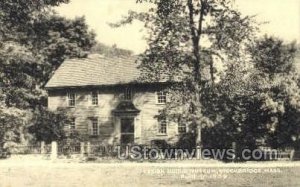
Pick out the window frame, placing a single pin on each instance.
(92, 98)
(159, 130)
(69, 99)
(72, 126)
(92, 131)
(180, 125)
(158, 99)
(128, 94)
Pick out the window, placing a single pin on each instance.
(161, 97)
(181, 128)
(95, 127)
(94, 98)
(72, 126)
(162, 126)
(128, 94)
(71, 99)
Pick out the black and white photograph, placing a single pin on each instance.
(108, 93)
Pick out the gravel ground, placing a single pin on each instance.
(37, 171)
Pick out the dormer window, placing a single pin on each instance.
(161, 97)
(95, 98)
(71, 99)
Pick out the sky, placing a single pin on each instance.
(283, 17)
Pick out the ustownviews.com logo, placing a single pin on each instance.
(146, 153)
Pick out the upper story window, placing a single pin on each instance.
(71, 99)
(161, 97)
(162, 126)
(95, 127)
(94, 98)
(128, 93)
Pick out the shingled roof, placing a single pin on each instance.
(96, 70)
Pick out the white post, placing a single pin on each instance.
(43, 151)
(82, 149)
(198, 153)
(234, 149)
(53, 150)
(292, 154)
(88, 148)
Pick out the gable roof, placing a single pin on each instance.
(96, 70)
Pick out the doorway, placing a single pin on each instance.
(127, 131)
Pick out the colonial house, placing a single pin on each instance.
(109, 104)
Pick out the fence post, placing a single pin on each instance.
(43, 151)
(82, 148)
(292, 154)
(53, 150)
(198, 153)
(234, 149)
(88, 148)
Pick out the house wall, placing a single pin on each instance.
(144, 98)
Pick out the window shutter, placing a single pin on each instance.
(98, 133)
(168, 99)
(90, 128)
(156, 97)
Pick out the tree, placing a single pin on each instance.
(11, 123)
(275, 60)
(34, 41)
(49, 125)
(258, 102)
(182, 33)
(112, 51)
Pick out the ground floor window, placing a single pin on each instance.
(95, 127)
(72, 126)
(162, 126)
(181, 128)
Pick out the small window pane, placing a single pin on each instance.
(71, 99)
(72, 126)
(128, 94)
(162, 129)
(161, 97)
(181, 128)
(95, 127)
(94, 98)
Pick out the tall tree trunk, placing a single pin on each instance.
(196, 33)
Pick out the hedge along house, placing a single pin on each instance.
(108, 104)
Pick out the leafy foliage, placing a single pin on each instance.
(272, 56)
(254, 106)
(34, 41)
(112, 51)
(49, 125)
(184, 38)
(256, 95)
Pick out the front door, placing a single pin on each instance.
(127, 131)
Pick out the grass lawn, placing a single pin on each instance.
(45, 173)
